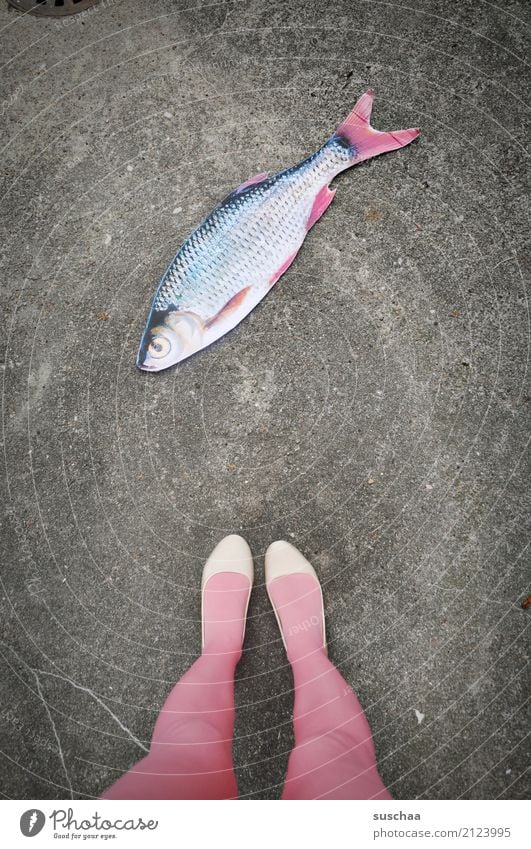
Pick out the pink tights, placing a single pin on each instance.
(191, 749)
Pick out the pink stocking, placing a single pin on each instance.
(334, 754)
(191, 748)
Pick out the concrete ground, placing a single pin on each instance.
(373, 410)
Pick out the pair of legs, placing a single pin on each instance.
(191, 749)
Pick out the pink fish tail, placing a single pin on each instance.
(364, 139)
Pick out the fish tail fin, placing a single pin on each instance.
(364, 140)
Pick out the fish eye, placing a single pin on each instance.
(159, 347)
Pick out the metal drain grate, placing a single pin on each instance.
(52, 8)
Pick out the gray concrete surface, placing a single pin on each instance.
(373, 409)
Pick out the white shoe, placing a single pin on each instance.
(232, 554)
(283, 559)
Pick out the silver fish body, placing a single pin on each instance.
(247, 237)
(246, 243)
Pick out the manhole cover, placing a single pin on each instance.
(52, 8)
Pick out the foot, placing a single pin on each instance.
(295, 593)
(225, 592)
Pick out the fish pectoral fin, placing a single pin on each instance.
(252, 181)
(230, 307)
(322, 201)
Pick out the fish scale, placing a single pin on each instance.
(232, 259)
(223, 255)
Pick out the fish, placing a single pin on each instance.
(234, 258)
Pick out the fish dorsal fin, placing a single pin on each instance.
(252, 181)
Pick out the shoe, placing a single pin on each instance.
(295, 593)
(225, 592)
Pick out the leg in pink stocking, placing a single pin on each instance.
(191, 748)
(334, 754)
